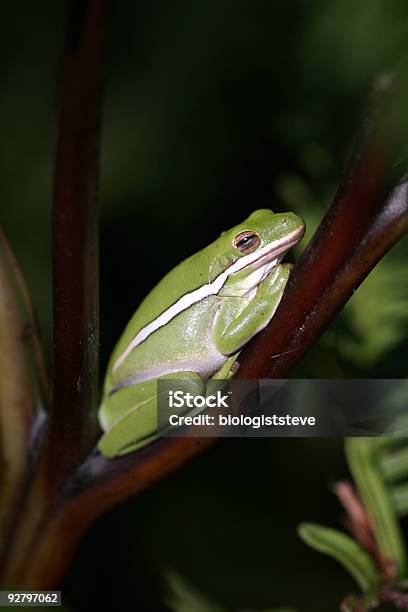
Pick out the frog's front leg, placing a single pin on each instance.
(231, 332)
(129, 416)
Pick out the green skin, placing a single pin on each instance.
(229, 291)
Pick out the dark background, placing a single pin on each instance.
(212, 109)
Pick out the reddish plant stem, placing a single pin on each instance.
(71, 428)
(359, 524)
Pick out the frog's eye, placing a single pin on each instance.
(247, 242)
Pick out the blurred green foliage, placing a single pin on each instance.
(211, 109)
(184, 598)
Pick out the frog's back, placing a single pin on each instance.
(187, 276)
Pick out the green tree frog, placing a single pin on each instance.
(192, 326)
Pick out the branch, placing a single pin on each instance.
(72, 429)
(72, 426)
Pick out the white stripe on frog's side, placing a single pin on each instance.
(275, 249)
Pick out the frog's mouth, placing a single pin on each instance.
(262, 261)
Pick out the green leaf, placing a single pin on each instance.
(344, 549)
(363, 459)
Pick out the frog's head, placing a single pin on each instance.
(255, 246)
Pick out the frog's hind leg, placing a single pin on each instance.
(136, 409)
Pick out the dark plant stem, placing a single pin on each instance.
(71, 428)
